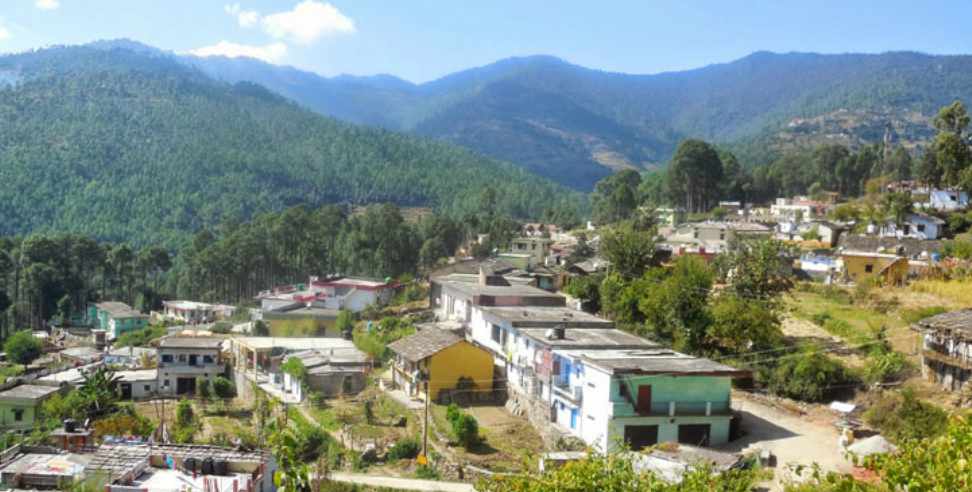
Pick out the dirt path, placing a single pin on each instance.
(794, 439)
(401, 483)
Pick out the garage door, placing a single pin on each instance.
(640, 436)
(694, 434)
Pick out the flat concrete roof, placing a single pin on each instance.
(139, 375)
(658, 361)
(547, 317)
(476, 289)
(191, 342)
(55, 465)
(267, 343)
(587, 338)
(28, 392)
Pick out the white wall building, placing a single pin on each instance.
(183, 359)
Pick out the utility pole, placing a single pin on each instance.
(425, 429)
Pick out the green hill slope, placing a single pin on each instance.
(129, 145)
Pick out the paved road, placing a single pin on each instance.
(401, 483)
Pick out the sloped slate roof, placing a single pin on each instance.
(424, 344)
(954, 321)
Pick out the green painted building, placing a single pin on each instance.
(19, 405)
(116, 318)
(642, 397)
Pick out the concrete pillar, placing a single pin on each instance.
(708, 409)
(671, 409)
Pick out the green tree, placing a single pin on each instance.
(630, 251)
(897, 206)
(295, 368)
(695, 176)
(758, 268)
(344, 324)
(98, 391)
(742, 325)
(22, 347)
(616, 197)
(674, 304)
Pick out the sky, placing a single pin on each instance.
(420, 40)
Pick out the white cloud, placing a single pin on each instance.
(271, 53)
(4, 33)
(47, 4)
(246, 18)
(308, 22)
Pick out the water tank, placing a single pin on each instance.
(70, 425)
(221, 467)
(190, 464)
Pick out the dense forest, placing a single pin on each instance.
(575, 124)
(45, 277)
(134, 147)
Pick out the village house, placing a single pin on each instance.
(170, 467)
(330, 373)
(131, 357)
(259, 360)
(137, 384)
(946, 200)
(916, 225)
(533, 249)
(797, 209)
(711, 237)
(19, 405)
(196, 312)
(670, 216)
(183, 359)
(861, 266)
(946, 349)
(643, 396)
(351, 293)
(440, 360)
(116, 318)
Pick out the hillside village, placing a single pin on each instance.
(494, 359)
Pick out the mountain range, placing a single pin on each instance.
(575, 125)
(133, 145)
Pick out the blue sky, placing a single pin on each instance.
(421, 40)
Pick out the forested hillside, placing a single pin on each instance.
(134, 146)
(575, 125)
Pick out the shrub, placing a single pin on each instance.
(139, 338)
(223, 387)
(452, 413)
(904, 416)
(203, 388)
(807, 376)
(222, 327)
(404, 449)
(821, 319)
(184, 413)
(885, 365)
(121, 424)
(261, 328)
(426, 472)
(466, 430)
(838, 327)
(22, 347)
(314, 441)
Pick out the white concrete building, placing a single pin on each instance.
(351, 293)
(182, 359)
(916, 225)
(196, 312)
(947, 200)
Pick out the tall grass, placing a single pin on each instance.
(957, 291)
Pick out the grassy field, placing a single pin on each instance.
(955, 294)
(854, 323)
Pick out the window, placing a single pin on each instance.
(165, 383)
(148, 388)
(18, 414)
(497, 334)
(869, 268)
(208, 359)
(182, 357)
(167, 358)
(920, 227)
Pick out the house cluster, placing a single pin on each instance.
(70, 458)
(572, 373)
(317, 303)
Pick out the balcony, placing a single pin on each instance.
(563, 388)
(674, 409)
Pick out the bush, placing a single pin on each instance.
(203, 388)
(121, 424)
(821, 319)
(807, 376)
(260, 328)
(223, 387)
(904, 416)
(839, 327)
(452, 413)
(404, 449)
(466, 430)
(222, 327)
(184, 413)
(22, 347)
(884, 366)
(426, 472)
(314, 441)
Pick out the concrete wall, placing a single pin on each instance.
(460, 360)
(8, 415)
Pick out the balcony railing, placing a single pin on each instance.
(674, 409)
(562, 387)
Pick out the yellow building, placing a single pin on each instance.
(860, 266)
(443, 359)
